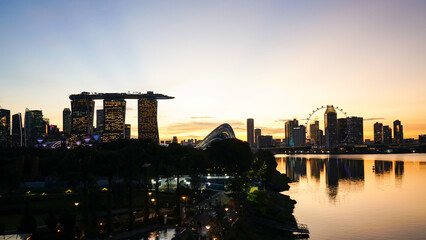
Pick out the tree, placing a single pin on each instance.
(231, 156)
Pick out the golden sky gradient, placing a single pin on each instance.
(222, 61)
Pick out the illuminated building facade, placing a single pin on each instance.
(100, 121)
(35, 127)
(4, 128)
(114, 120)
(147, 119)
(378, 133)
(398, 132)
(127, 131)
(288, 128)
(17, 131)
(66, 120)
(330, 126)
(111, 120)
(81, 119)
(313, 133)
(250, 132)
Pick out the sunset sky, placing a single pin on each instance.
(223, 61)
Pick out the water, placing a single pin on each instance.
(358, 196)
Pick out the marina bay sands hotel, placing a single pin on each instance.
(114, 112)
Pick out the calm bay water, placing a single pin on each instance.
(358, 196)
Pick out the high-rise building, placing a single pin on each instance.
(378, 133)
(330, 126)
(81, 118)
(35, 127)
(288, 128)
(115, 112)
(313, 132)
(250, 132)
(100, 121)
(46, 125)
(398, 132)
(127, 131)
(422, 138)
(265, 141)
(257, 133)
(4, 128)
(356, 130)
(147, 119)
(174, 140)
(342, 131)
(17, 131)
(321, 137)
(299, 135)
(387, 135)
(66, 120)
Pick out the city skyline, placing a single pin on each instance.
(278, 60)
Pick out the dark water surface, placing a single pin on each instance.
(358, 196)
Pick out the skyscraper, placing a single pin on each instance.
(330, 126)
(299, 135)
(81, 118)
(4, 128)
(100, 121)
(17, 131)
(35, 127)
(356, 130)
(115, 112)
(127, 131)
(257, 133)
(313, 132)
(250, 132)
(147, 119)
(398, 132)
(342, 131)
(288, 128)
(66, 120)
(378, 133)
(387, 135)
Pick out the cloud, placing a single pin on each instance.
(197, 129)
(286, 119)
(272, 131)
(282, 120)
(201, 117)
(374, 119)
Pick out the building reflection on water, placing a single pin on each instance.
(335, 170)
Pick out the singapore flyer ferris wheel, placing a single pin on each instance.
(312, 115)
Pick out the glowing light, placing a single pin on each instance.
(76, 204)
(207, 227)
(104, 189)
(69, 191)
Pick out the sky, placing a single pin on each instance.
(223, 61)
